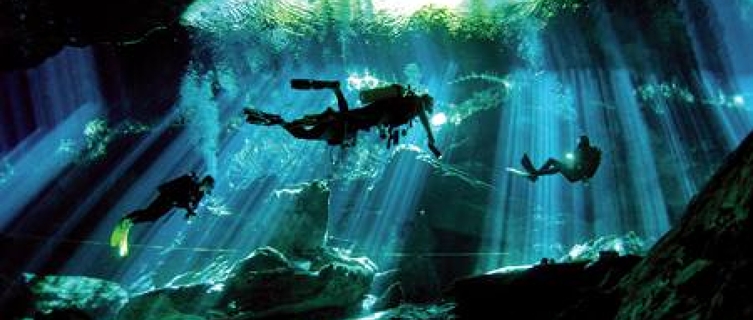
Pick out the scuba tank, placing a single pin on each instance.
(392, 91)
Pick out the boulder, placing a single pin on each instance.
(76, 294)
(552, 288)
(184, 302)
(302, 229)
(265, 284)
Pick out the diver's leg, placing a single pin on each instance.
(254, 116)
(158, 208)
(551, 166)
(300, 131)
(342, 104)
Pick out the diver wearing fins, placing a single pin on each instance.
(387, 108)
(580, 165)
(184, 192)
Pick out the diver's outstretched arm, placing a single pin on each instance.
(425, 123)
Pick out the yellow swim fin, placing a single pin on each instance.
(119, 236)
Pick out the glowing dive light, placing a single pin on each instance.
(439, 119)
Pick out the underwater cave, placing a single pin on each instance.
(444, 211)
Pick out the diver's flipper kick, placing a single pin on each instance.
(521, 173)
(528, 170)
(119, 236)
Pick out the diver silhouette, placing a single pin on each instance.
(184, 192)
(580, 165)
(387, 108)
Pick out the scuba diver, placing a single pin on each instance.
(580, 165)
(183, 192)
(387, 108)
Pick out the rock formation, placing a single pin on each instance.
(266, 284)
(31, 31)
(700, 269)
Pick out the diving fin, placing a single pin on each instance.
(531, 172)
(526, 163)
(517, 171)
(119, 236)
(312, 84)
(522, 173)
(528, 170)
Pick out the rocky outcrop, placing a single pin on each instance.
(266, 284)
(187, 302)
(302, 229)
(553, 288)
(31, 31)
(287, 289)
(59, 297)
(700, 269)
(392, 297)
(16, 298)
(95, 297)
(417, 312)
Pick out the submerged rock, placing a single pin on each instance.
(265, 284)
(64, 314)
(392, 297)
(76, 295)
(629, 244)
(700, 269)
(16, 298)
(281, 287)
(303, 226)
(187, 302)
(553, 288)
(416, 312)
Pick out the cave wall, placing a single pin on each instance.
(701, 268)
(31, 31)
